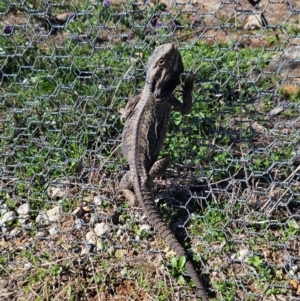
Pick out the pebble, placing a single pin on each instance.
(52, 230)
(8, 217)
(41, 234)
(50, 216)
(97, 200)
(145, 227)
(241, 254)
(79, 223)
(91, 237)
(101, 229)
(15, 232)
(3, 209)
(23, 209)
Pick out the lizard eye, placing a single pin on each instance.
(161, 62)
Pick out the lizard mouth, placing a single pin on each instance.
(157, 91)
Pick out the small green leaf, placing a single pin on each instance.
(181, 280)
(182, 261)
(255, 261)
(174, 262)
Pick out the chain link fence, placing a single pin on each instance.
(231, 193)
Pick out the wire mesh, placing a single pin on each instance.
(231, 192)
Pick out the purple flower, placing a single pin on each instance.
(7, 29)
(159, 24)
(106, 3)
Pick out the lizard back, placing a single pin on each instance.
(143, 135)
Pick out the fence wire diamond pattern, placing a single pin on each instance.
(231, 193)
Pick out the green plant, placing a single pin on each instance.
(177, 268)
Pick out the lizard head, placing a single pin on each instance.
(163, 70)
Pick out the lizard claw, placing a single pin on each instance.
(123, 113)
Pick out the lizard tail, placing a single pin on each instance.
(145, 198)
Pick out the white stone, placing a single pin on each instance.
(145, 227)
(23, 209)
(241, 254)
(101, 228)
(27, 266)
(57, 192)
(41, 234)
(97, 200)
(50, 216)
(79, 222)
(253, 22)
(52, 230)
(3, 209)
(7, 217)
(15, 232)
(91, 237)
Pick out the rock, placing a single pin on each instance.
(111, 251)
(3, 229)
(94, 218)
(42, 234)
(97, 200)
(8, 217)
(253, 22)
(27, 266)
(286, 64)
(3, 209)
(119, 232)
(50, 216)
(57, 192)
(15, 232)
(93, 240)
(53, 214)
(79, 223)
(145, 227)
(101, 229)
(23, 209)
(91, 237)
(242, 254)
(52, 230)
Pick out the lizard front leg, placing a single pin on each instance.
(184, 107)
(130, 107)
